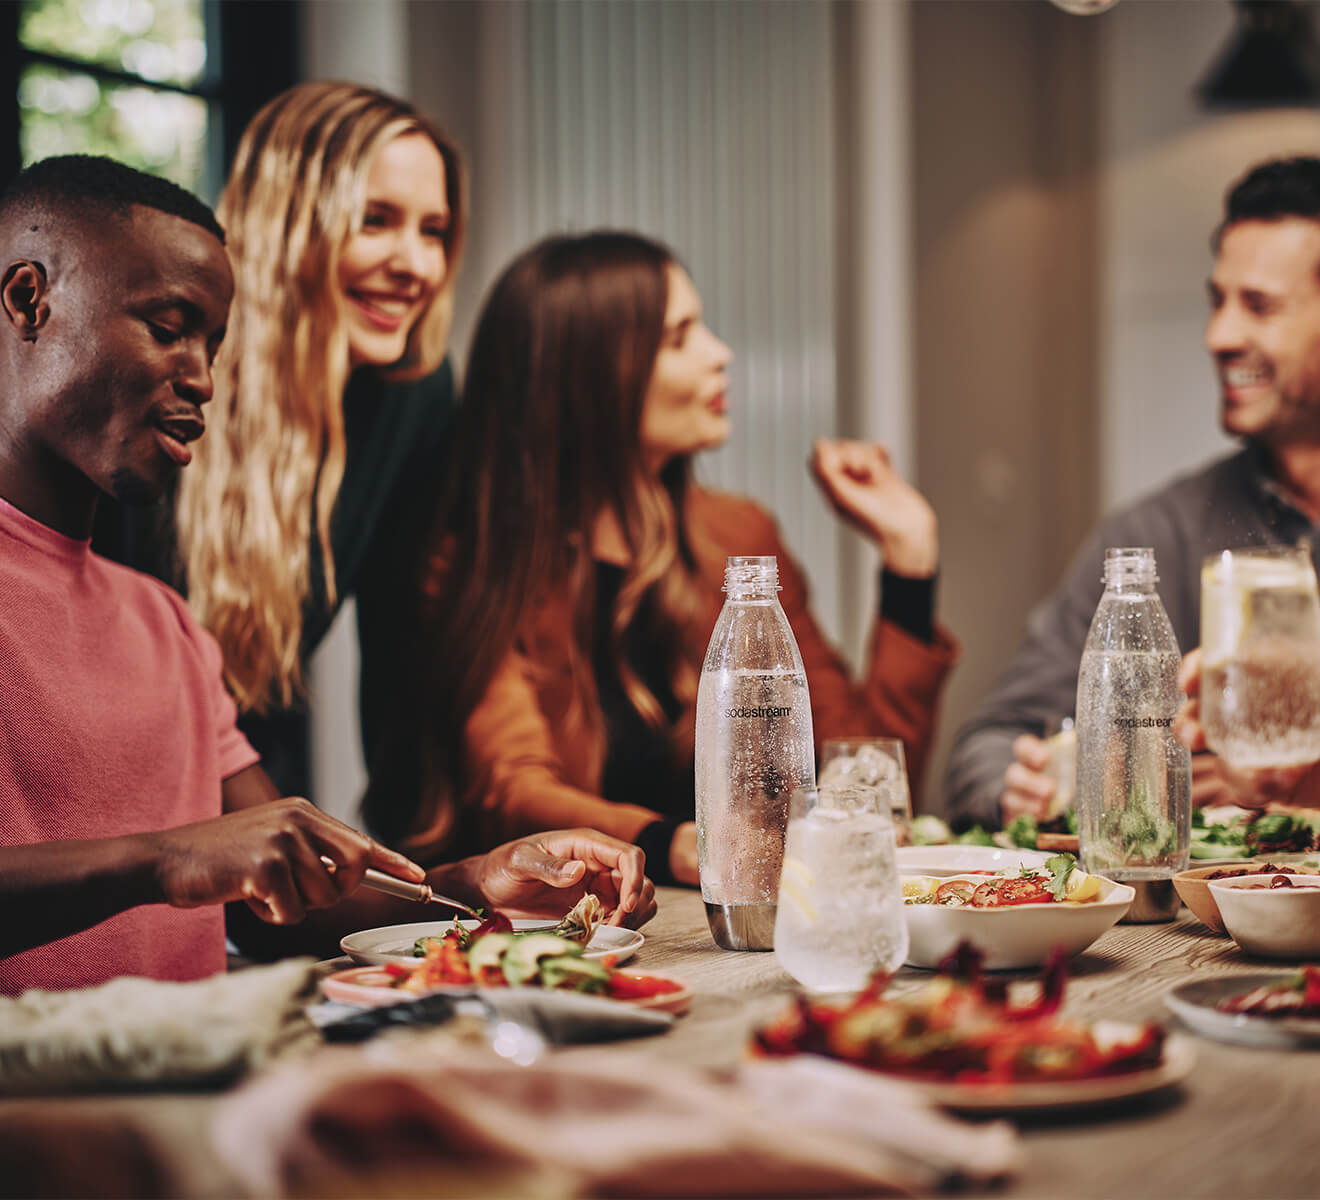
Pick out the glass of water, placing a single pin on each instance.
(1260, 657)
(875, 762)
(840, 914)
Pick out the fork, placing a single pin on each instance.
(421, 892)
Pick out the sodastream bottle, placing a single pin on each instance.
(1133, 774)
(753, 747)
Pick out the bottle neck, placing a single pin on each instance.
(750, 577)
(1130, 570)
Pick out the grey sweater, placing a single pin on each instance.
(1232, 502)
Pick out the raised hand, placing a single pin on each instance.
(865, 490)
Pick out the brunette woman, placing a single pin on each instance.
(578, 571)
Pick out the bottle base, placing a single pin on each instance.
(742, 926)
(1156, 901)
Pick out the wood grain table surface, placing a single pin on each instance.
(1245, 1123)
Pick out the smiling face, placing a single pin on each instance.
(391, 268)
(120, 365)
(1264, 328)
(686, 405)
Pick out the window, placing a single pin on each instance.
(131, 79)
(163, 85)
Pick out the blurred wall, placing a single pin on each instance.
(1004, 136)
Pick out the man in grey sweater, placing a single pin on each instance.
(1263, 334)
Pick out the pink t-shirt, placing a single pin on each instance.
(113, 720)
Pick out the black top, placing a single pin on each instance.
(394, 432)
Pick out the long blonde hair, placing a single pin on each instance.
(271, 463)
(548, 436)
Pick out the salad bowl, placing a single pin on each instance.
(1009, 938)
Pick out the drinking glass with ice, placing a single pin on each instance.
(840, 915)
(875, 762)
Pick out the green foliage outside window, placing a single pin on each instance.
(66, 111)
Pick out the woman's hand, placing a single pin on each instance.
(870, 495)
(683, 854)
(545, 874)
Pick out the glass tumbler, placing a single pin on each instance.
(1260, 657)
(876, 762)
(840, 916)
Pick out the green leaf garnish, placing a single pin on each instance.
(1059, 866)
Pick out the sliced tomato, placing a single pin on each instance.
(1000, 893)
(636, 987)
(955, 892)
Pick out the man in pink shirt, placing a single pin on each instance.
(131, 808)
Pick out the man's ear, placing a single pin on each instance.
(24, 293)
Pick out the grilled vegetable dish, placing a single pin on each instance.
(961, 1028)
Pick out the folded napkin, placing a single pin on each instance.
(349, 1120)
(132, 1031)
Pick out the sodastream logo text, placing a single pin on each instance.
(1142, 722)
(769, 710)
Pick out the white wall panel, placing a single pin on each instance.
(710, 127)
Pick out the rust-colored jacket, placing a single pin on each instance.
(528, 772)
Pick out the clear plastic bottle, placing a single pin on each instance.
(1133, 774)
(754, 746)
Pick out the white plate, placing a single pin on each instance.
(1019, 935)
(369, 987)
(1179, 1058)
(1194, 1003)
(394, 943)
(957, 860)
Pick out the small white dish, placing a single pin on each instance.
(1271, 922)
(1020, 935)
(1194, 1003)
(394, 943)
(959, 860)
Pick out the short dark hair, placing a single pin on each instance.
(1273, 190)
(90, 185)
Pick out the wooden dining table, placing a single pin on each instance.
(1244, 1123)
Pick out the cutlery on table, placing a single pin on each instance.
(423, 893)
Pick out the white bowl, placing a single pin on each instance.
(1271, 922)
(1020, 935)
(956, 860)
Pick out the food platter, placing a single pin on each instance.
(394, 943)
(372, 987)
(1178, 1059)
(1194, 1003)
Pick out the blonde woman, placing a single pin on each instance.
(344, 216)
(577, 577)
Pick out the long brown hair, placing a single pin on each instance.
(547, 437)
(273, 457)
